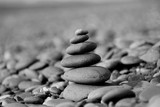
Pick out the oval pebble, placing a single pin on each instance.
(36, 105)
(81, 32)
(80, 60)
(116, 95)
(149, 92)
(2, 89)
(154, 101)
(129, 60)
(3, 74)
(81, 48)
(28, 74)
(77, 92)
(33, 100)
(12, 81)
(98, 93)
(127, 102)
(66, 104)
(79, 39)
(90, 105)
(109, 64)
(23, 95)
(38, 66)
(51, 71)
(87, 75)
(15, 105)
(26, 84)
(54, 102)
(152, 55)
(24, 60)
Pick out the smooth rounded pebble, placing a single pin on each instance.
(38, 66)
(149, 92)
(15, 105)
(154, 101)
(152, 55)
(127, 102)
(12, 81)
(109, 64)
(98, 93)
(81, 48)
(66, 104)
(81, 32)
(28, 74)
(26, 84)
(36, 105)
(77, 92)
(87, 75)
(54, 102)
(33, 100)
(51, 71)
(24, 60)
(3, 74)
(90, 105)
(80, 60)
(79, 39)
(116, 95)
(129, 60)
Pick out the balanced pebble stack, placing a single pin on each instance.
(85, 75)
(82, 61)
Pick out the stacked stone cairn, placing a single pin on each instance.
(81, 60)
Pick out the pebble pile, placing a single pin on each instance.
(125, 73)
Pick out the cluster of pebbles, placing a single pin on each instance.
(125, 75)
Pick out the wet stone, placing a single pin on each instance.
(40, 90)
(87, 75)
(59, 85)
(80, 60)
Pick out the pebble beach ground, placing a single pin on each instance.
(90, 65)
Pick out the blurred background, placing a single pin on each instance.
(37, 24)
